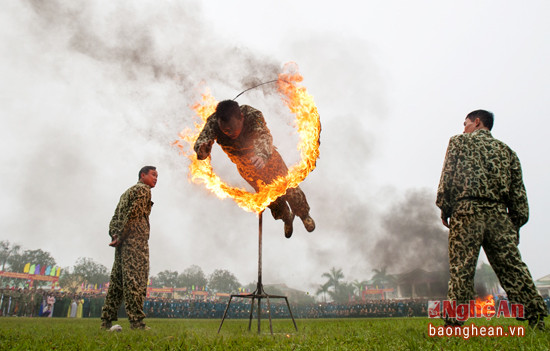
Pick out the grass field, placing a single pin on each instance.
(313, 334)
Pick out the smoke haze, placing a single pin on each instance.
(92, 91)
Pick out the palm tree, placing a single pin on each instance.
(358, 286)
(334, 276)
(382, 278)
(344, 293)
(323, 289)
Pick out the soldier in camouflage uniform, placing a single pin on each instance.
(242, 133)
(6, 302)
(2, 299)
(129, 230)
(482, 192)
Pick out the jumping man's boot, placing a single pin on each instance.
(309, 223)
(288, 225)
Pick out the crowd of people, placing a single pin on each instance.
(24, 302)
(47, 303)
(240, 308)
(481, 195)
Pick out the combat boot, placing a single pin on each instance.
(139, 325)
(309, 223)
(105, 324)
(288, 225)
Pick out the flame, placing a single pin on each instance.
(481, 306)
(308, 124)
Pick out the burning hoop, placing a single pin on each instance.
(308, 124)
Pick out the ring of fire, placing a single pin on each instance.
(308, 124)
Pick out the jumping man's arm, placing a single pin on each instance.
(206, 138)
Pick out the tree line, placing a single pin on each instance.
(86, 271)
(13, 257)
(338, 290)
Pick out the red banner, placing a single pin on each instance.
(28, 276)
(160, 290)
(377, 291)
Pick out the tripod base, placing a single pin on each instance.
(259, 294)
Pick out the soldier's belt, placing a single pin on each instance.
(481, 199)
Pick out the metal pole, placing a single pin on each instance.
(259, 293)
(291, 316)
(225, 314)
(260, 287)
(260, 252)
(269, 314)
(251, 311)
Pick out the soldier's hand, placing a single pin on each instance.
(257, 161)
(116, 242)
(204, 150)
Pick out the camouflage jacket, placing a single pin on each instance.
(481, 168)
(131, 218)
(255, 137)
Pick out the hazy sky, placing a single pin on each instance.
(93, 90)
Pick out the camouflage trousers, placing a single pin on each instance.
(294, 197)
(129, 277)
(476, 225)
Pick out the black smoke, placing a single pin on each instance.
(412, 236)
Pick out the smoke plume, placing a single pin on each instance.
(100, 89)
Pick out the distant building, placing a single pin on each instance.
(420, 283)
(293, 295)
(543, 285)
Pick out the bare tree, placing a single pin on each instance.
(222, 280)
(91, 271)
(192, 275)
(6, 250)
(17, 262)
(70, 281)
(166, 278)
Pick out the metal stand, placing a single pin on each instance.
(259, 293)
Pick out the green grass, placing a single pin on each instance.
(313, 334)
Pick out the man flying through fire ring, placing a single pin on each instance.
(243, 135)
